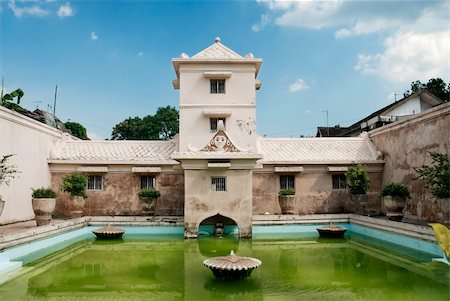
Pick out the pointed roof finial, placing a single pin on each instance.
(217, 40)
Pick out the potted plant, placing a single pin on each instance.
(437, 178)
(7, 172)
(286, 199)
(394, 199)
(358, 184)
(75, 184)
(149, 196)
(43, 202)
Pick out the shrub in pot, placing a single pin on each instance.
(358, 184)
(75, 184)
(394, 199)
(43, 202)
(286, 199)
(149, 196)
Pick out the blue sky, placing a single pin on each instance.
(112, 59)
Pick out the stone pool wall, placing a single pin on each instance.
(119, 195)
(405, 145)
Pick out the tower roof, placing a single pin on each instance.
(216, 53)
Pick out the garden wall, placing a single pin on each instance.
(405, 145)
(314, 192)
(31, 142)
(119, 194)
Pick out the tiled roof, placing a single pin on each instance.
(115, 151)
(317, 150)
(217, 51)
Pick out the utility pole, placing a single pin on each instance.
(3, 85)
(54, 103)
(328, 129)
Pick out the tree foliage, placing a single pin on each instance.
(358, 179)
(436, 176)
(77, 130)
(7, 171)
(435, 85)
(164, 125)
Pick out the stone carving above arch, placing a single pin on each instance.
(220, 143)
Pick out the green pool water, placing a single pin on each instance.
(170, 268)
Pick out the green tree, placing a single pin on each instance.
(77, 130)
(164, 125)
(435, 85)
(167, 122)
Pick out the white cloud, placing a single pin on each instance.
(94, 136)
(94, 36)
(34, 10)
(265, 19)
(65, 10)
(417, 51)
(298, 86)
(415, 41)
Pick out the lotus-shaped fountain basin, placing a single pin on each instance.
(232, 266)
(331, 231)
(108, 232)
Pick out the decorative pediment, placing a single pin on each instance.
(220, 143)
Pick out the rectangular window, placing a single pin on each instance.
(95, 183)
(339, 182)
(147, 182)
(213, 123)
(217, 86)
(218, 183)
(287, 182)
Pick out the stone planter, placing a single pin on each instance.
(149, 205)
(444, 206)
(287, 204)
(77, 206)
(360, 203)
(43, 209)
(394, 207)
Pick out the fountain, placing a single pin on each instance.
(232, 267)
(331, 231)
(108, 232)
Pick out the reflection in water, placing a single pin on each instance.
(172, 269)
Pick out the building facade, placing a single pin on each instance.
(217, 170)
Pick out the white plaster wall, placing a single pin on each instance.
(239, 99)
(31, 142)
(409, 108)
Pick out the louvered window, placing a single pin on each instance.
(213, 123)
(339, 182)
(218, 183)
(147, 182)
(287, 182)
(217, 86)
(95, 183)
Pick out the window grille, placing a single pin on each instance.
(287, 182)
(217, 86)
(95, 183)
(218, 183)
(147, 182)
(339, 182)
(213, 123)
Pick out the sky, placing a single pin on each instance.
(112, 59)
